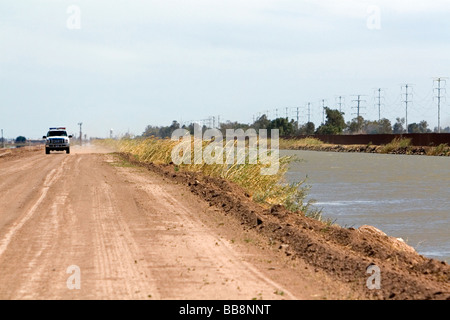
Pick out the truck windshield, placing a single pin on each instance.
(57, 134)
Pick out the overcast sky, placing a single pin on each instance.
(128, 64)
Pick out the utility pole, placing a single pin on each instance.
(439, 97)
(298, 123)
(358, 110)
(3, 141)
(323, 111)
(406, 101)
(309, 111)
(379, 103)
(287, 113)
(340, 103)
(81, 135)
(358, 106)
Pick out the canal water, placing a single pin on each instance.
(406, 197)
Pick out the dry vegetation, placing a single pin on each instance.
(265, 189)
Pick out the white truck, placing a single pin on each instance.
(57, 139)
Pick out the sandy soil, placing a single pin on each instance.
(91, 226)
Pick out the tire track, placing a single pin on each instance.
(50, 179)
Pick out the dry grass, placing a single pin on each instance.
(441, 150)
(296, 143)
(265, 189)
(396, 144)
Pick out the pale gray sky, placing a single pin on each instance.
(134, 63)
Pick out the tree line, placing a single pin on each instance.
(334, 125)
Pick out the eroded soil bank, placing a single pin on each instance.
(346, 254)
(411, 150)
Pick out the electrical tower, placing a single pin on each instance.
(441, 82)
(358, 110)
(378, 102)
(358, 105)
(323, 111)
(81, 135)
(407, 94)
(340, 103)
(309, 111)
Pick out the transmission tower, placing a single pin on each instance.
(323, 111)
(378, 102)
(441, 82)
(309, 111)
(340, 103)
(358, 105)
(81, 135)
(407, 94)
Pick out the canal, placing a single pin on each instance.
(404, 196)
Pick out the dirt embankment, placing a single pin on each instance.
(410, 150)
(344, 254)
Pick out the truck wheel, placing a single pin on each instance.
(68, 150)
(47, 151)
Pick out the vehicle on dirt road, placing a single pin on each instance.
(57, 140)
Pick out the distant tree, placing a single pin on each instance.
(233, 125)
(421, 127)
(21, 139)
(261, 123)
(307, 129)
(398, 126)
(285, 126)
(166, 132)
(161, 132)
(151, 131)
(335, 123)
(384, 126)
(355, 126)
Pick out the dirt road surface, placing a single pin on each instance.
(90, 226)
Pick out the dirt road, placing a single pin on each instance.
(90, 226)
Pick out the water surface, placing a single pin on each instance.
(404, 196)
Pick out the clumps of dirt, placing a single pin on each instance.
(410, 150)
(344, 253)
